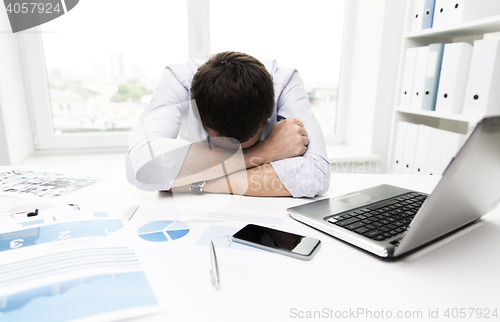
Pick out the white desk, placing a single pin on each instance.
(461, 271)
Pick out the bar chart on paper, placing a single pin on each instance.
(57, 232)
(74, 281)
(162, 231)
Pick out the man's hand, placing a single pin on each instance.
(287, 139)
(260, 181)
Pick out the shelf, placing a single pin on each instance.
(468, 28)
(468, 32)
(451, 117)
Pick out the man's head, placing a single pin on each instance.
(234, 95)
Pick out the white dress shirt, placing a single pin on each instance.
(168, 127)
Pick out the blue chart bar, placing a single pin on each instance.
(31, 223)
(58, 232)
(79, 298)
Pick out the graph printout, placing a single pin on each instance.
(75, 282)
(32, 184)
(63, 267)
(56, 232)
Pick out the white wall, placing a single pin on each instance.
(375, 47)
(391, 46)
(4, 151)
(16, 140)
(366, 43)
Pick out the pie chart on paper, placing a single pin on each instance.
(162, 231)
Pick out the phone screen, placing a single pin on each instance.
(276, 240)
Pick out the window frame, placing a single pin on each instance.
(37, 85)
(344, 77)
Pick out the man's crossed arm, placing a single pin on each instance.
(247, 173)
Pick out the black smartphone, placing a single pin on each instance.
(278, 241)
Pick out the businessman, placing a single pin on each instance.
(231, 124)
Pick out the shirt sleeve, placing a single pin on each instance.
(307, 175)
(156, 154)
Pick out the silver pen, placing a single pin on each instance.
(214, 271)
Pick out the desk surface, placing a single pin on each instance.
(460, 271)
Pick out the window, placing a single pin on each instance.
(306, 35)
(92, 71)
(101, 63)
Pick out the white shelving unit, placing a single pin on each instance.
(468, 31)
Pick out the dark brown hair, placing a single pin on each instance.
(234, 94)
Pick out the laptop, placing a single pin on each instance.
(389, 221)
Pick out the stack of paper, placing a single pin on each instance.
(63, 267)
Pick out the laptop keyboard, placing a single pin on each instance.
(382, 220)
